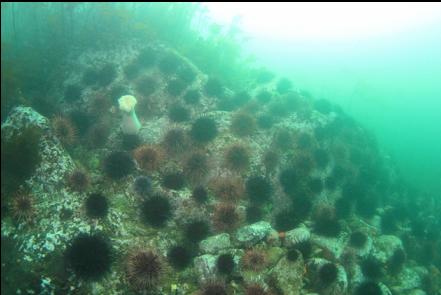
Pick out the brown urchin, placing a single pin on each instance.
(148, 157)
(255, 289)
(254, 260)
(175, 141)
(196, 167)
(64, 130)
(237, 158)
(243, 124)
(270, 160)
(100, 104)
(23, 207)
(304, 162)
(145, 269)
(213, 288)
(78, 181)
(228, 189)
(225, 217)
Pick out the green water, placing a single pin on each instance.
(389, 83)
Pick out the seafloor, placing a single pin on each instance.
(268, 191)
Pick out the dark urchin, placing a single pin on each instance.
(96, 206)
(89, 256)
(156, 210)
(328, 274)
(203, 130)
(196, 230)
(258, 189)
(118, 164)
(225, 264)
(179, 257)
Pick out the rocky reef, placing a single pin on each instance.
(264, 191)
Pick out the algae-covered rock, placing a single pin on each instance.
(53, 160)
(384, 289)
(274, 254)
(254, 233)
(408, 279)
(215, 244)
(288, 276)
(385, 246)
(205, 266)
(335, 246)
(417, 292)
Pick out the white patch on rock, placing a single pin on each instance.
(215, 244)
(333, 245)
(253, 233)
(205, 266)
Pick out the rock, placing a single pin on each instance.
(21, 117)
(333, 246)
(55, 161)
(152, 131)
(274, 254)
(384, 289)
(254, 233)
(408, 279)
(215, 244)
(385, 246)
(205, 266)
(341, 284)
(417, 292)
(287, 276)
(357, 275)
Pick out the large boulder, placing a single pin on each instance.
(54, 162)
(253, 233)
(215, 243)
(205, 266)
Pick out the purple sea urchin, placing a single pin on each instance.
(143, 186)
